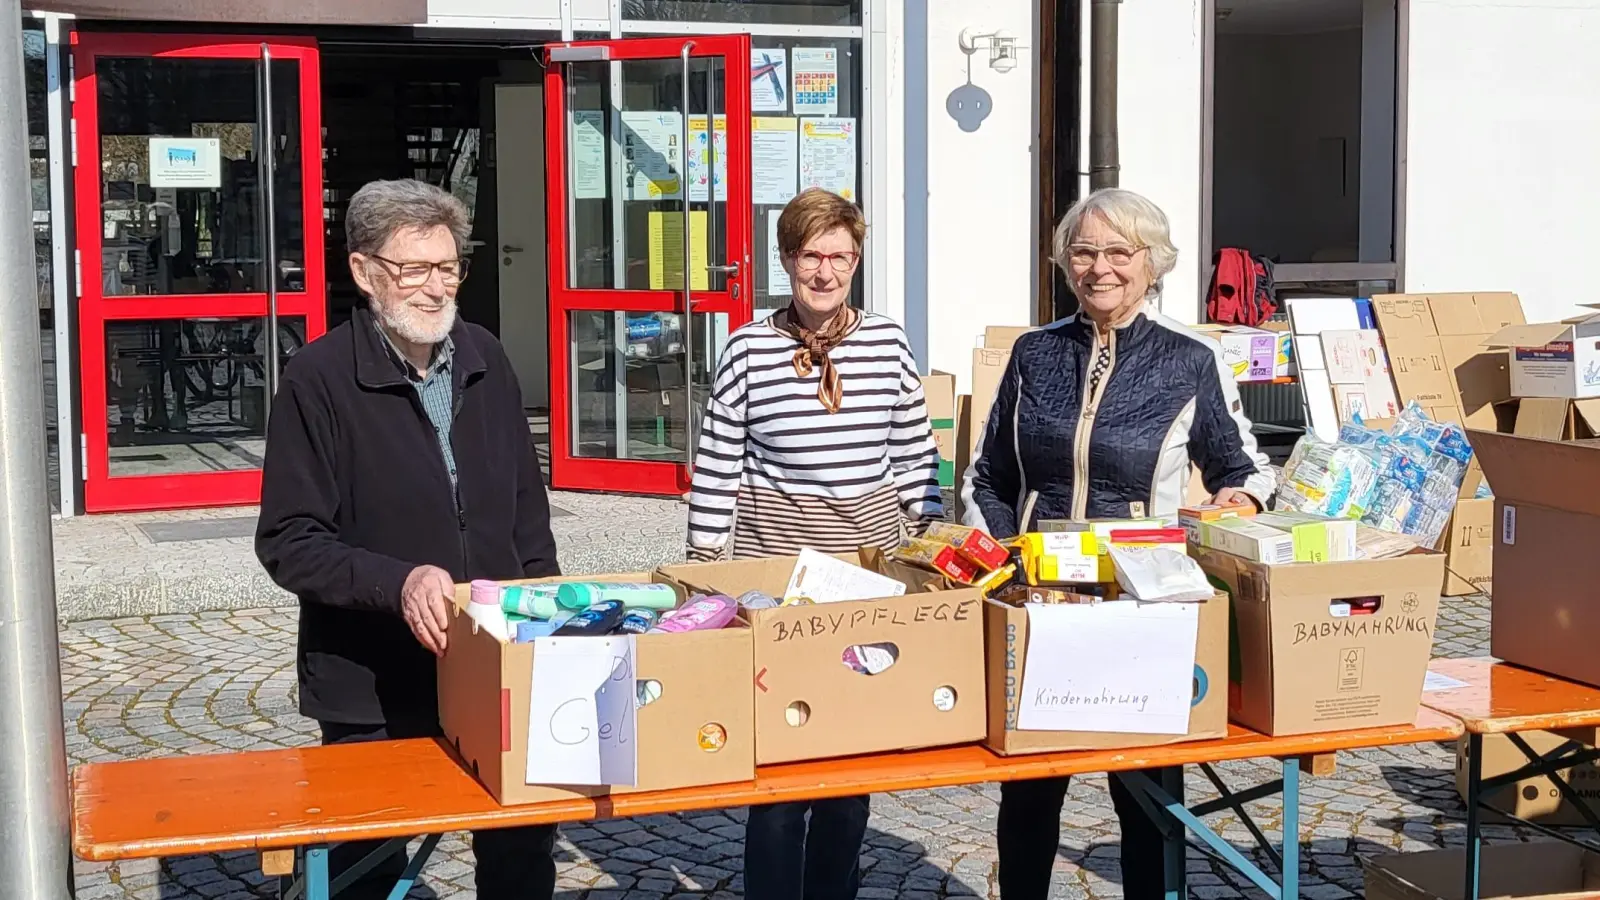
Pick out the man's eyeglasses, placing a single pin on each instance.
(1085, 255)
(809, 261)
(416, 274)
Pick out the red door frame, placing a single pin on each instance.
(102, 493)
(567, 471)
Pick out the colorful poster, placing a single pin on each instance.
(769, 80)
(666, 250)
(828, 156)
(777, 279)
(587, 148)
(774, 159)
(698, 170)
(652, 154)
(816, 81)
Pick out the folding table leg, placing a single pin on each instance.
(317, 873)
(1176, 845)
(1474, 788)
(1290, 868)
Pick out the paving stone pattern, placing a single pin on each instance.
(218, 681)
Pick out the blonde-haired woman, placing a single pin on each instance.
(816, 436)
(1101, 415)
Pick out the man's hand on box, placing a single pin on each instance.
(425, 605)
(1233, 497)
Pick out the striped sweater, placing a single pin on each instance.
(776, 472)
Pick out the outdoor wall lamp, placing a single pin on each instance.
(1002, 47)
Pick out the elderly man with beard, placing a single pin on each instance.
(399, 462)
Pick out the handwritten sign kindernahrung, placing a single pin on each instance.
(581, 717)
(1122, 666)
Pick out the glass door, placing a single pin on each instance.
(648, 142)
(199, 239)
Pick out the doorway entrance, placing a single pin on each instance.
(198, 170)
(648, 198)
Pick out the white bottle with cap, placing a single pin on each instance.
(483, 607)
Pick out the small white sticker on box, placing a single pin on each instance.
(1508, 525)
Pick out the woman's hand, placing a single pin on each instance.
(1234, 497)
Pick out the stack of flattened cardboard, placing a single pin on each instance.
(989, 363)
(939, 392)
(1439, 356)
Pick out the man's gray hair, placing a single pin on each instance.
(1132, 216)
(382, 208)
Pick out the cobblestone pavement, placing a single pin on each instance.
(217, 681)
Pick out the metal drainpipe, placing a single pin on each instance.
(1104, 166)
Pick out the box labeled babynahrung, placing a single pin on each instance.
(1329, 646)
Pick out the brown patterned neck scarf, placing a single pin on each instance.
(814, 349)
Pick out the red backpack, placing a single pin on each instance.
(1242, 289)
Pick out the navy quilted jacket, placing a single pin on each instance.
(1164, 399)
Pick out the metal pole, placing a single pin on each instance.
(1105, 167)
(35, 849)
(269, 254)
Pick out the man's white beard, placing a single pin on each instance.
(413, 326)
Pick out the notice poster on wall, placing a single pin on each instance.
(652, 154)
(777, 279)
(586, 145)
(666, 250)
(769, 80)
(699, 171)
(816, 81)
(185, 162)
(828, 156)
(774, 159)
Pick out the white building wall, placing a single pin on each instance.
(1160, 79)
(1501, 177)
(969, 231)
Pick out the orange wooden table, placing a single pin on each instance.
(1497, 698)
(311, 797)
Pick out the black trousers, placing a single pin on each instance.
(1029, 835)
(786, 858)
(512, 862)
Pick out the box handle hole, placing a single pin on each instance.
(870, 659)
(944, 698)
(712, 737)
(798, 713)
(649, 692)
(1347, 607)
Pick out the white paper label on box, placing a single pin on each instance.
(825, 579)
(1433, 681)
(1120, 666)
(1508, 525)
(582, 727)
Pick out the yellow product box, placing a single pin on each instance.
(1191, 517)
(1316, 538)
(1061, 557)
(1149, 533)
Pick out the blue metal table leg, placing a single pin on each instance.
(1474, 788)
(1290, 889)
(1176, 843)
(317, 873)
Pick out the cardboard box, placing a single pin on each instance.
(1301, 668)
(988, 365)
(1190, 518)
(1252, 354)
(1248, 540)
(1543, 870)
(938, 635)
(1469, 549)
(939, 392)
(1437, 355)
(1556, 359)
(1006, 633)
(1532, 799)
(1546, 527)
(1316, 538)
(1557, 419)
(705, 678)
(964, 442)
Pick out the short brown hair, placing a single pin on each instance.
(815, 212)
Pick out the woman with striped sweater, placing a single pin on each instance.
(816, 436)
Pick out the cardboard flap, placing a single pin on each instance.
(1589, 412)
(1526, 335)
(1539, 472)
(1542, 417)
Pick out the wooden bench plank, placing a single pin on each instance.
(276, 799)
